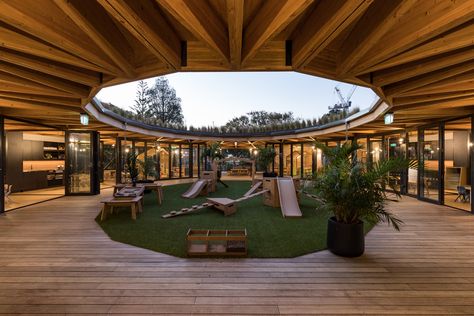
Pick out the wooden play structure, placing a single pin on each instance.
(203, 186)
(282, 192)
(216, 242)
(226, 205)
(277, 192)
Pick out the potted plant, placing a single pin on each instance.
(354, 192)
(265, 157)
(131, 167)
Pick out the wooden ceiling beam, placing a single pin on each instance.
(48, 80)
(18, 42)
(380, 17)
(28, 85)
(460, 37)
(45, 29)
(437, 106)
(35, 106)
(426, 79)
(45, 99)
(325, 23)
(235, 18)
(433, 97)
(201, 20)
(142, 19)
(416, 68)
(51, 68)
(270, 20)
(100, 29)
(454, 87)
(424, 21)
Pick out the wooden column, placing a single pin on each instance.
(2, 164)
(118, 160)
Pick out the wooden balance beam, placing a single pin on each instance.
(226, 205)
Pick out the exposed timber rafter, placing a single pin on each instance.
(324, 24)
(271, 19)
(99, 27)
(144, 22)
(201, 20)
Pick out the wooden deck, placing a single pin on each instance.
(56, 260)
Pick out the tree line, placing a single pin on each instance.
(159, 105)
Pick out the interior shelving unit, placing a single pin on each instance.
(213, 242)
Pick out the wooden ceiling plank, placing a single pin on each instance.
(9, 86)
(461, 37)
(235, 18)
(6, 78)
(424, 21)
(21, 43)
(44, 29)
(326, 22)
(100, 28)
(148, 26)
(50, 68)
(426, 79)
(454, 87)
(380, 17)
(432, 97)
(201, 20)
(271, 19)
(402, 72)
(45, 99)
(48, 80)
(33, 106)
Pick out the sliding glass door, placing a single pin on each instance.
(82, 167)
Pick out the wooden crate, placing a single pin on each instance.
(215, 242)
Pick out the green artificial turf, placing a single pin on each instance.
(270, 235)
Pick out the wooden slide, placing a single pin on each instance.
(288, 200)
(254, 188)
(195, 189)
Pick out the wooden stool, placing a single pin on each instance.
(134, 203)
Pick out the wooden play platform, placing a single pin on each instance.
(216, 242)
(226, 205)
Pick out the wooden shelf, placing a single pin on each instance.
(216, 242)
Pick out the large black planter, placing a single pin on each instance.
(269, 174)
(345, 240)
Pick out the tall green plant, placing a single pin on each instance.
(265, 157)
(131, 165)
(147, 167)
(356, 191)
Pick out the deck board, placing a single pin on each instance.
(57, 260)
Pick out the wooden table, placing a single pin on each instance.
(135, 204)
(158, 188)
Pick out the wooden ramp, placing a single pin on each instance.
(195, 189)
(254, 188)
(288, 200)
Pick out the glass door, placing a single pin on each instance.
(430, 164)
(82, 172)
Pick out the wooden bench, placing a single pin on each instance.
(135, 204)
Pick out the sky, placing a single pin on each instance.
(213, 98)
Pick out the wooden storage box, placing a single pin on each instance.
(214, 242)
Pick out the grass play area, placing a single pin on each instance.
(269, 234)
